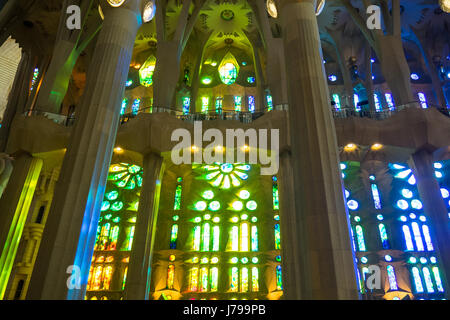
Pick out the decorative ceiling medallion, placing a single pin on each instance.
(116, 3)
(272, 8)
(227, 15)
(149, 11)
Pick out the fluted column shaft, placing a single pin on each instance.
(70, 230)
(435, 208)
(139, 270)
(327, 264)
(14, 206)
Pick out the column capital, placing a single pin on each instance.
(136, 6)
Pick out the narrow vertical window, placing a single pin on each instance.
(244, 237)
(408, 239)
(426, 235)
(251, 104)
(337, 102)
(124, 281)
(130, 237)
(219, 101)
(377, 102)
(193, 281)
(234, 283)
(107, 277)
(277, 237)
(113, 238)
(178, 191)
(206, 237)
(186, 105)
(275, 200)
(383, 236)
(196, 239)
(254, 238)
(237, 103)
(428, 281)
(437, 279)
(417, 236)
(269, 103)
(135, 106)
(174, 237)
(279, 278)
(390, 101)
(391, 277)
(244, 279)
(205, 104)
(216, 238)
(255, 279)
(356, 100)
(360, 238)
(417, 280)
(170, 276)
(376, 196)
(124, 106)
(214, 279)
(423, 100)
(234, 236)
(203, 279)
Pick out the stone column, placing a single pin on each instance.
(327, 263)
(70, 231)
(139, 269)
(435, 209)
(289, 243)
(14, 206)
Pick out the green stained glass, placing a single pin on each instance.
(237, 103)
(177, 201)
(200, 206)
(196, 238)
(244, 237)
(234, 236)
(174, 237)
(206, 237)
(277, 237)
(244, 280)
(360, 238)
(254, 238)
(244, 194)
(275, 200)
(203, 279)
(117, 206)
(130, 237)
(228, 69)
(112, 195)
(146, 72)
(214, 279)
(255, 279)
(214, 206)
(208, 194)
(251, 205)
(234, 283)
(216, 238)
(114, 235)
(279, 278)
(105, 205)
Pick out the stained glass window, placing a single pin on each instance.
(277, 237)
(219, 101)
(279, 278)
(146, 72)
(135, 106)
(360, 238)
(423, 100)
(124, 106)
(383, 236)
(251, 104)
(417, 280)
(174, 236)
(178, 190)
(170, 276)
(337, 102)
(205, 104)
(275, 201)
(34, 79)
(237, 103)
(228, 69)
(392, 278)
(269, 103)
(390, 101)
(186, 105)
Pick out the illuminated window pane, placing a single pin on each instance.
(254, 238)
(193, 280)
(277, 237)
(251, 104)
(124, 277)
(356, 100)
(234, 283)
(383, 236)
(426, 234)
(130, 236)
(124, 106)
(206, 237)
(428, 281)
(423, 100)
(360, 238)
(205, 104)
(237, 103)
(390, 101)
(244, 237)
(186, 105)
(377, 102)
(214, 279)
(275, 199)
(417, 236)
(437, 279)
(219, 101)
(234, 236)
(170, 276)
(174, 237)
(216, 238)
(408, 239)
(279, 278)
(244, 280)
(203, 279)
(113, 238)
(391, 277)
(177, 201)
(269, 103)
(337, 102)
(417, 280)
(255, 279)
(107, 277)
(196, 238)
(135, 106)
(376, 196)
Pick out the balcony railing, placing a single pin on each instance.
(55, 117)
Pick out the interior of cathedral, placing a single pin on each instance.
(351, 98)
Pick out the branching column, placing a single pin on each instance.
(327, 264)
(71, 227)
(139, 269)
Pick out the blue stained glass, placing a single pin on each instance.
(428, 281)
(417, 236)
(391, 277)
(383, 236)
(376, 197)
(360, 238)
(426, 234)
(408, 239)
(417, 280)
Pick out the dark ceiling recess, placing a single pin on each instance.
(28, 24)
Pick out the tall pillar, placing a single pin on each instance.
(14, 206)
(434, 207)
(70, 231)
(139, 268)
(288, 225)
(327, 264)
